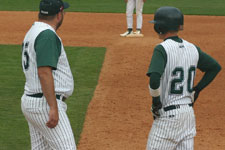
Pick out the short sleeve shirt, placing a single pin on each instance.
(48, 49)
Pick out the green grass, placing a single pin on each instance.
(85, 64)
(197, 7)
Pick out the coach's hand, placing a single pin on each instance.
(53, 118)
(156, 106)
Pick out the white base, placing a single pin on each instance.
(135, 35)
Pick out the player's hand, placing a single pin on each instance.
(195, 94)
(156, 106)
(53, 118)
(125, 1)
(144, 1)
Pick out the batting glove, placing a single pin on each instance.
(156, 106)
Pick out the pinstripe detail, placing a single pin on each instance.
(63, 78)
(37, 140)
(183, 57)
(36, 111)
(173, 133)
(175, 129)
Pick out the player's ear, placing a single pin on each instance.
(59, 15)
(181, 27)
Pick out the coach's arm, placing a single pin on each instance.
(47, 85)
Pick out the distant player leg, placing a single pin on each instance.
(139, 9)
(129, 13)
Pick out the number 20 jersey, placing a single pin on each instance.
(178, 77)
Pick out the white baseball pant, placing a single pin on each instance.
(174, 130)
(36, 111)
(131, 4)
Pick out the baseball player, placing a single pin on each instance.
(131, 4)
(172, 72)
(49, 81)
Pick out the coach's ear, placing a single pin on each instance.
(181, 27)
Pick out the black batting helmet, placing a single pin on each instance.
(167, 19)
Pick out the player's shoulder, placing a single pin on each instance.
(47, 34)
(187, 42)
(47, 37)
(192, 45)
(159, 47)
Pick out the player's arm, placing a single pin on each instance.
(48, 49)
(211, 68)
(47, 85)
(155, 71)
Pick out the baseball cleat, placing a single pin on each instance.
(137, 32)
(126, 33)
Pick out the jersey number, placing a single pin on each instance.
(176, 84)
(26, 57)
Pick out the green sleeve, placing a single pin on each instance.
(48, 49)
(158, 61)
(154, 81)
(205, 61)
(208, 65)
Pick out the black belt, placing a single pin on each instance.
(174, 107)
(40, 95)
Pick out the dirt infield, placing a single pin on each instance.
(118, 116)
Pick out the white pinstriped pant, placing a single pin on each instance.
(36, 111)
(175, 130)
(131, 4)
